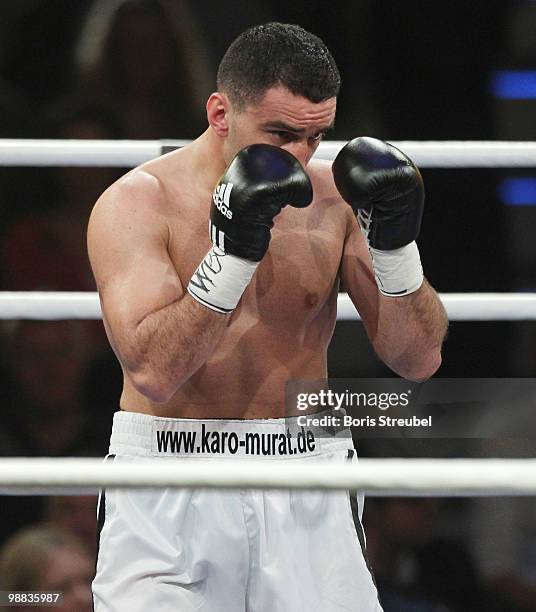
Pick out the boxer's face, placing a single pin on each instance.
(282, 119)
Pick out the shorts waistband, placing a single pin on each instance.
(146, 435)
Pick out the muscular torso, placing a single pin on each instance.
(285, 319)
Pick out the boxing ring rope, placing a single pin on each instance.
(391, 477)
(378, 477)
(54, 305)
(130, 153)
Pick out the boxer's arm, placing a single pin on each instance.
(406, 332)
(160, 334)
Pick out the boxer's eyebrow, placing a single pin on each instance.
(284, 127)
(280, 125)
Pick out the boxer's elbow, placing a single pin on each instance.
(417, 368)
(420, 368)
(152, 384)
(156, 378)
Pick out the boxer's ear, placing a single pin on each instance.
(217, 110)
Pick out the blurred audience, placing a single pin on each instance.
(504, 540)
(37, 58)
(503, 533)
(211, 15)
(76, 514)
(415, 567)
(45, 406)
(53, 231)
(149, 61)
(48, 559)
(81, 117)
(14, 112)
(56, 402)
(44, 251)
(38, 50)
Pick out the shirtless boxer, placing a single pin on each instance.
(210, 322)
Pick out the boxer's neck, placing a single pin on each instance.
(208, 154)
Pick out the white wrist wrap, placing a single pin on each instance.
(220, 280)
(398, 272)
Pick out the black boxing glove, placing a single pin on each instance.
(258, 183)
(385, 190)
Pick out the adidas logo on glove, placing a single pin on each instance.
(221, 196)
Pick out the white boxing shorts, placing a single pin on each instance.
(180, 550)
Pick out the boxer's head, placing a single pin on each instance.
(277, 84)
(277, 54)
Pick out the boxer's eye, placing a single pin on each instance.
(283, 135)
(317, 137)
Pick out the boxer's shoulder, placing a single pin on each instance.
(147, 189)
(131, 197)
(131, 212)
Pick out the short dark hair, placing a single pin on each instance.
(274, 54)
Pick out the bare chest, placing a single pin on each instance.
(296, 276)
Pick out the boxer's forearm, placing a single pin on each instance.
(385, 190)
(410, 331)
(170, 345)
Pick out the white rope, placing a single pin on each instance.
(129, 153)
(456, 154)
(103, 153)
(469, 307)
(51, 305)
(387, 477)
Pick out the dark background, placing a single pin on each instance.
(411, 71)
